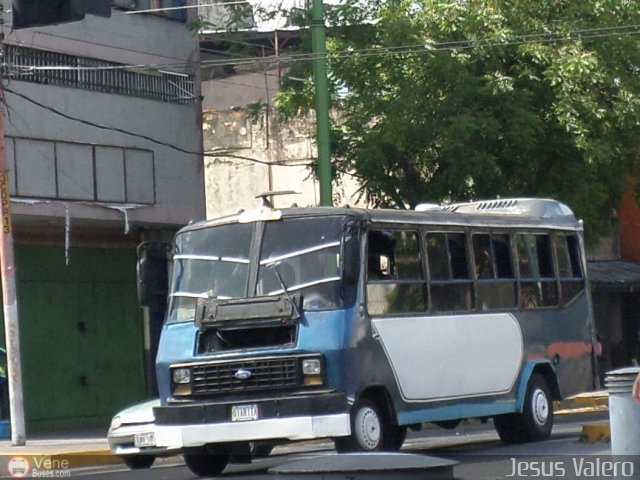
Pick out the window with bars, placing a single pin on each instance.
(51, 68)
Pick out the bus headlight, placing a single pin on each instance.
(181, 378)
(181, 375)
(312, 371)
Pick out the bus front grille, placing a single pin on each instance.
(272, 373)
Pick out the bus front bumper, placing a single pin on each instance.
(289, 418)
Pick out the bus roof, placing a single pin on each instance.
(513, 212)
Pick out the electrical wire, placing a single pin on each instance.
(427, 47)
(534, 38)
(185, 7)
(281, 163)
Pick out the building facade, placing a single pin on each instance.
(103, 146)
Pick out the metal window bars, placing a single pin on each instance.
(51, 68)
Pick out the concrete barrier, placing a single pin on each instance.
(367, 466)
(624, 412)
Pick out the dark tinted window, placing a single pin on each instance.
(447, 254)
(496, 285)
(569, 269)
(395, 280)
(538, 286)
(450, 287)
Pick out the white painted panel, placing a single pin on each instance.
(35, 168)
(452, 356)
(75, 171)
(110, 174)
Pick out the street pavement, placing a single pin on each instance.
(476, 447)
(84, 449)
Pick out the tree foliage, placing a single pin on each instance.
(468, 99)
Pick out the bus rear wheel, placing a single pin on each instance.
(371, 430)
(536, 420)
(206, 462)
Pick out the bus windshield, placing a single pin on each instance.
(305, 254)
(211, 262)
(297, 254)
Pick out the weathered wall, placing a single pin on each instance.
(57, 155)
(629, 215)
(277, 156)
(76, 159)
(165, 181)
(130, 38)
(240, 90)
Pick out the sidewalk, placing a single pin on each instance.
(76, 449)
(81, 449)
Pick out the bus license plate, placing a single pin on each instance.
(141, 440)
(244, 413)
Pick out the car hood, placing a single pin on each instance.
(140, 413)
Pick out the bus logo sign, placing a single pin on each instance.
(242, 374)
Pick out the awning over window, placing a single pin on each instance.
(614, 275)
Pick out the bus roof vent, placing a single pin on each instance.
(429, 207)
(533, 207)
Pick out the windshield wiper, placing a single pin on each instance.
(274, 266)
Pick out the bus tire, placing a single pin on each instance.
(371, 430)
(396, 438)
(536, 420)
(204, 462)
(261, 449)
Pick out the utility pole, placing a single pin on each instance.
(318, 38)
(10, 301)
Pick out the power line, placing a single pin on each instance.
(427, 47)
(185, 7)
(281, 163)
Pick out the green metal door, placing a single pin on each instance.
(81, 336)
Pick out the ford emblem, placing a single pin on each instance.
(242, 374)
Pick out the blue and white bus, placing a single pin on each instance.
(353, 324)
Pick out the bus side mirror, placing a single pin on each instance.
(153, 273)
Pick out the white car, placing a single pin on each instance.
(137, 440)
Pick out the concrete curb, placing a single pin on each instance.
(595, 432)
(590, 402)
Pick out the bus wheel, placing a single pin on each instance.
(371, 430)
(204, 462)
(536, 420)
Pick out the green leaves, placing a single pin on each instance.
(455, 100)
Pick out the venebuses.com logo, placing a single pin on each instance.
(18, 467)
(39, 467)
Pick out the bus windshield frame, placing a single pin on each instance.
(231, 261)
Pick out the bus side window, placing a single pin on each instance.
(569, 267)
(380, 256)
(496, 287)
(395, 281)
(538, 286)
(450, 286)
